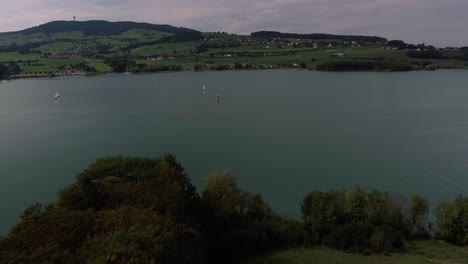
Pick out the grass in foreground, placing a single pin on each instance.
(424, 252)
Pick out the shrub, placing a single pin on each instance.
(355, 220)
(452, 221)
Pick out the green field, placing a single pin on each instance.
(131, 43)
(57, 47)
(165, 48)
(424, 252)
(21, 39)
(15, 56)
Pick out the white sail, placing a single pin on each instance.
(204, 88)
(56, 96)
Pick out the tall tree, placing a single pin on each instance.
(418, 216)
(3, 71)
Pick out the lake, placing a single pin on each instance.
(283, 133)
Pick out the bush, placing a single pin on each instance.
(452, 221)
(119, 64)
(145, 244)
(355, 220)
(14, 69)
(48, 234)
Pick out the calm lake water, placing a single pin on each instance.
(282, 133)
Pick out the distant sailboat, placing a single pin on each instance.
(56, 96)
(204, 88)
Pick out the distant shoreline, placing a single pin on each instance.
(38, 76)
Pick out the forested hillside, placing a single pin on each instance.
(98, 27)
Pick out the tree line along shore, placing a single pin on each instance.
(145, 210)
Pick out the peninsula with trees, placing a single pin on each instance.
(96, 47)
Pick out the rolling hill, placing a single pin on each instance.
(98, 28)
(98, 46)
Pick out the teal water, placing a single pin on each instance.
(282, 133)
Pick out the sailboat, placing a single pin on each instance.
(204, 88)
(56, 96)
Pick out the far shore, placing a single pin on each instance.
(90, 74)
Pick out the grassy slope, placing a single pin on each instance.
(424, 252)
(166, 48)
(310, 56)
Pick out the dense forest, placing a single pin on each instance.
(99, 27)
(7, 70)
(361, 39)
(426, 54)
(3, 71)
(136, 210)
(364, 65)
(123, 64)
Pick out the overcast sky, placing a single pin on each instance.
(438, 22)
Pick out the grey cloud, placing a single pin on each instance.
(431, 21)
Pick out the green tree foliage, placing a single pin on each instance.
(120, 210)
(3, 71)
(7, 71)
(217, 45)
(182, 37)
(97, 27)
(157, 68)
(123, 64)
(355, 220)
(14, 69)
(134, 210)
(364, 65)
(426, 54)
(452, 221)
(103, 48)
(222, 194)
(120, 64)
(137, 235)
(47, 234)
(274, 34)
(240, 223)
(418, 217)
(399, 44)
(161, 184)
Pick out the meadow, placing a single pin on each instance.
(423, 252)
(47, 53)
